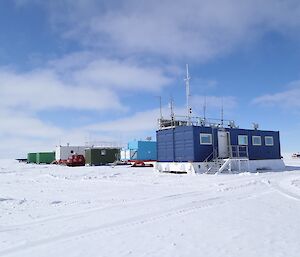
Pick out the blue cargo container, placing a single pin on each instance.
(140, 150)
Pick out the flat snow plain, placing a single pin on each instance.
(48, 210)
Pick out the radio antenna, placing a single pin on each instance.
(160, 107)
(172, 109)
(204, 108)
(187, 88)
(222, 113)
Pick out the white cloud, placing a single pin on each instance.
(21, 133)
(196, 29)
(140, 121)
(288, 98)
(17, 124)
(79, 81)
(18, 147)
(88, 68)
(115, 74)
(43, 90)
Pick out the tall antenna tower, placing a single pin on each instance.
(204, 108)
(187, 88)
(222, 113)
(172, 109)
(160, 108)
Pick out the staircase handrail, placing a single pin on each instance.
(212, 154)
(225, 164)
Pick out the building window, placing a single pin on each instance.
(243, 140)
(269, 141)
(103, 152)
(205, 139)
(256, 140)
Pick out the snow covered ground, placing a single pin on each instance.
(48, 210)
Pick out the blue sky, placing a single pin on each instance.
(77, 70)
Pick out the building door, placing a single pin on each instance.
(223, 144)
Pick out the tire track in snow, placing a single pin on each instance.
(283, 190)
(98, 209)
(223, 187)
(130, 222)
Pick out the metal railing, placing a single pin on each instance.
(238, 151)
(196, 121)
(236, 155)
(211, 156)
(106, 144)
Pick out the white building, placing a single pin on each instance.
(64, 152)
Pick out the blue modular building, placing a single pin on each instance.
(139, 150)
(210, 148)
(198, 145)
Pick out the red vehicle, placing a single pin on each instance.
(76, 160)
(141, 164)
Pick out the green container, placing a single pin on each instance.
(45, 157)
(31, 157)
(101, 156)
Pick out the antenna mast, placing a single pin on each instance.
(187, 87)
(160, 108)
(172, 109)
(204, 108)
(222, 113)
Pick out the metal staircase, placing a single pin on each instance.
(215, 166)
(237, 161)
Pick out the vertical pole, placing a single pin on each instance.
(187, 87)
(172, 127)
(159, 121)
(204, 110)
(172, 111)
(222, 114)
(160, 110)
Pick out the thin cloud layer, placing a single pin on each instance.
(115, 74)
(18, 124)
(195, 29)
(78, 82)
(42, 90)
(288, 98)
(75, 82)
(88, 68)
(140, 121)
